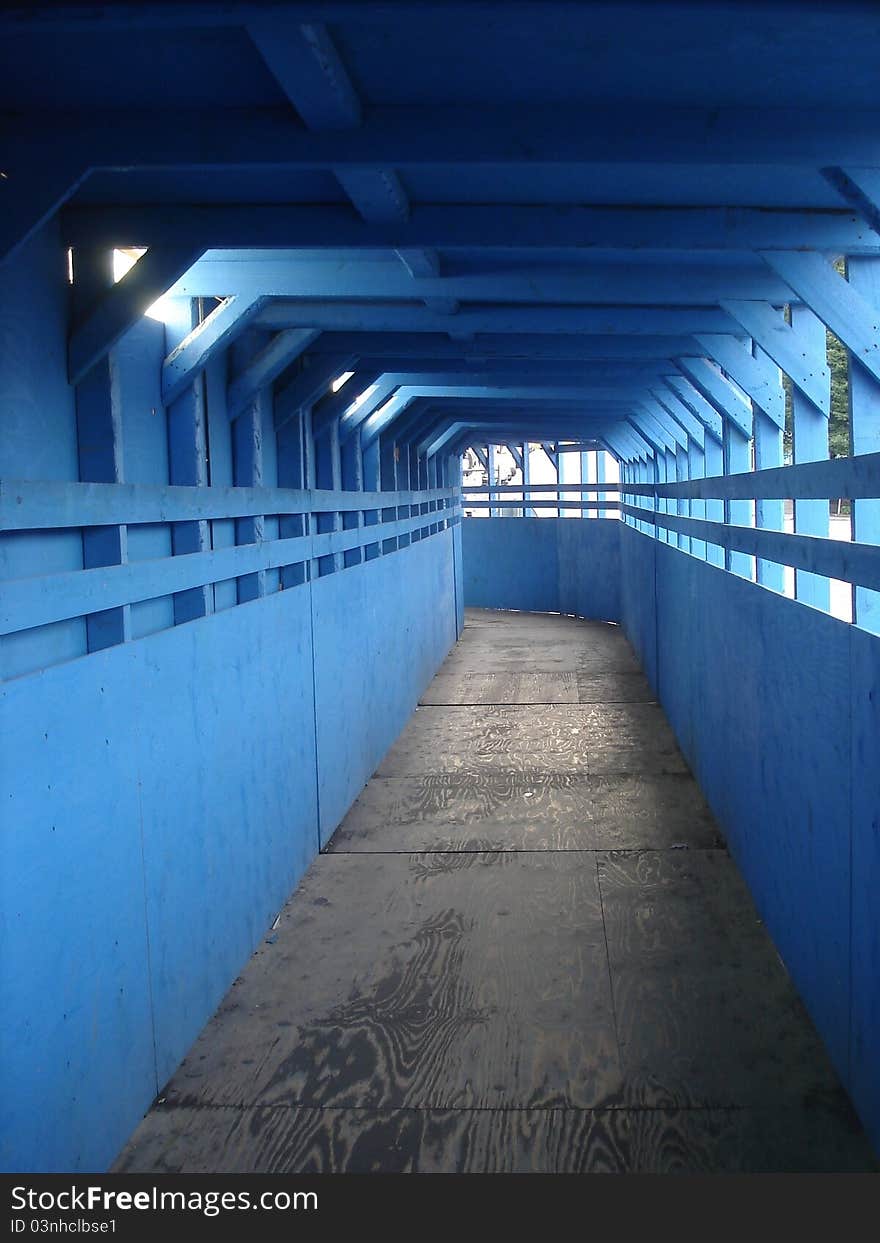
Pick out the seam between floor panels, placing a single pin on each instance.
(608, 965)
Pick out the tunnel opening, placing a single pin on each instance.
(400, 514)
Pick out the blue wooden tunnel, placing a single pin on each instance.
(270, 274)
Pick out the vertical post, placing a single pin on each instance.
(810, 444)
(328, 476)
(404, 476)
(769, 515)
(99, 446)
(352, 481)
(492, 479)
(737, 460)
(584, 459)
(188, 464)
(292, 474)
(371, 484)
(864, 397)
(697, 508)
(714, 508)
(601, 460)
(526, 478)
(682, 474)
(388, 466)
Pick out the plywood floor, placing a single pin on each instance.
(525, 949)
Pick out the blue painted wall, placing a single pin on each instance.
(161, 797)
(775, 705)
(543, 565)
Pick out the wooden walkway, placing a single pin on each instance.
(526, 948)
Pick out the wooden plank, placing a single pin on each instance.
(538, 811)
(192, 1140)
(849, 477)
(461, 1003)
(681, 925)
(784, 345)
(589, 738)
(30, 505)
(29, 602)
(854, 563)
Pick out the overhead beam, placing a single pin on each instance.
(501, 226)
(305, 388)
(831, 297)
(308, 68)
(380, 345)
(530, 136)
(152, 276)
(757, 377)
(860, 187)
(699, 407)
(719, 392)
(602, 284)
(608, 321)
(266, 366)
(783, 344)
(215, 333)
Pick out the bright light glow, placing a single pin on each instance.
(361, 398)
(340, 380)
(124, 261)
(377, 414)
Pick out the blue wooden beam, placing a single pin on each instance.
(677, 410)
(528, 135)
(402, 346)
(755, 374)
(214, 334)
(650, 408)
(308, 385)
(265, 367)
(153, 275)
(535, 320)
(36, 182)
(860, 187)
(483, 457)
(806, 370)
(718, 391)
(491, 226)
(601, 284)
(864, 276)
(838, 305)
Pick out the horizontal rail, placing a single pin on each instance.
(33, 505)
(849, 478)
(518, 488)
(38, 601)
(510, 502)
(854, 563)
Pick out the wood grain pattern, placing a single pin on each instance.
(540, 811)
(512, 1141)
(502, 688)
(706, 1012)
(426, 980)
(597, 738)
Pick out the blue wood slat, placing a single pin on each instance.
(806, 370)
(853, 563)
(29, 602)
(214, 334)
(849, 478)
(27, 504)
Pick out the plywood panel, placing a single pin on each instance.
(506, 811)
(426, 981)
